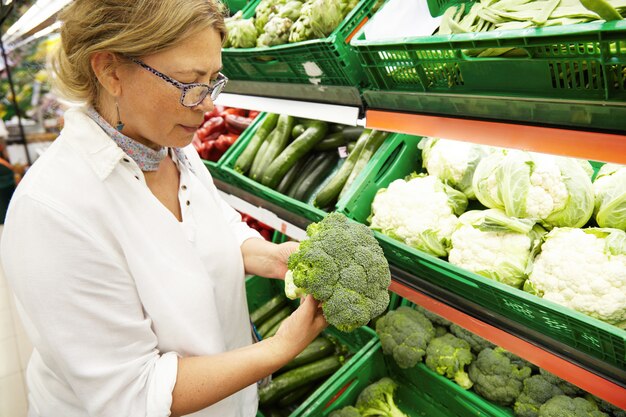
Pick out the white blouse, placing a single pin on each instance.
(112, 288)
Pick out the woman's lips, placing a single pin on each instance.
(189, 129)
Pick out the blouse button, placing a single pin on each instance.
(184, 187)
(126, 160)
(136, 177)
(188, 202)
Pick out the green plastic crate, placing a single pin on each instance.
(421, 392)
(305, 210)
(236, 5)
(260, 290)
(328, 61)
(586, 334)
(591, 57)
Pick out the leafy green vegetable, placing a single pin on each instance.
(275, 32)
(610, 196)
(342, 265)
(318, 19)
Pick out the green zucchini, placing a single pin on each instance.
(244, 162)
(281, 136)
(262, 313)
(351, 146)
(297, 130)
(271, 332)
(309, 160)
(258, 162)
(371, 146)
(335, 127)
(296, 395)
(298, 377)
(332, 141)
(352, 133)
(330, 192)
(316, 176)
(317, 349)
(291, 176)
(296, 150)
(269, 323)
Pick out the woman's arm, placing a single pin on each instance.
(266, 259)
(205, 380)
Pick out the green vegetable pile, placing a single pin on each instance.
(488, 15)
(474, 363)
(277, 22)
(301, 158)
(376, 399)
(297, 380)
(343, 267)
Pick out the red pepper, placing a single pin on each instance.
(252, 114)
(224, 142)
(213, 113)
(237, 124)
(215, 124)
(232, 110)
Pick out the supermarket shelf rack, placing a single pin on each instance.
(592, 375)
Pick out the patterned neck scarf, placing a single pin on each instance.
(146, 158)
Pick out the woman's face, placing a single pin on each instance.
(150, 107)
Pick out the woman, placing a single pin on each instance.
(128, 268)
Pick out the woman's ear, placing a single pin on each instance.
(106, 66)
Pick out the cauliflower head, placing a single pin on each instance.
(583, 269)
(610, 196)
(275, 32)
(496, 377)
(241, 32)
(553, 190)
(405, 333)
(318, 19)
(454, 162)
(343, 267)
(420, 211)
(448, 355)
(498, 247)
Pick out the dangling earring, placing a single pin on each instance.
(119, 125)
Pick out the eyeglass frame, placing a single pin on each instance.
(184, 87)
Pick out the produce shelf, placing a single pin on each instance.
(597, 146)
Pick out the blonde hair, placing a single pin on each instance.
(130, 28)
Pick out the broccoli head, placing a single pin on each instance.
(435, 318)
(476, 342)
(567, 388)
(342, 265)
(377, 399)
(537, 391)
(607, 407)
(496, 377)
(564, 406)
(448, 355)
(348, 411)
(440, 331)
(405, 333)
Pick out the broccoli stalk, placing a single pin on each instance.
(342, 265)
(377, 400)
(448, 355)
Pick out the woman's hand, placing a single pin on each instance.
(267, 259)
(301, 328)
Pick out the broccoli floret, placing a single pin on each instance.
(405, 333)
(607, 407)
(342, 265)
(448, 355)
(537, 391)
(567, 388)
(476, 342)
(564, 406)
(496, 378)
(435, 318)
(440, 331)
(377, 400)
(348, 411)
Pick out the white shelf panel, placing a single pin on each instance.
(264, 216)
(327, 112)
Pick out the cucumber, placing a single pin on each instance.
(262, 313)
(329, 193)
(352, 133)
(297, 130)
(371, 146)
(281, 136)
(269, 323)
(296, 150)
(244, 162)
(298, 377)
(318, 349)
(271, 332)
(291, 176)
(257, 164)
(309, 160)
(316, 176)
(332, 141)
